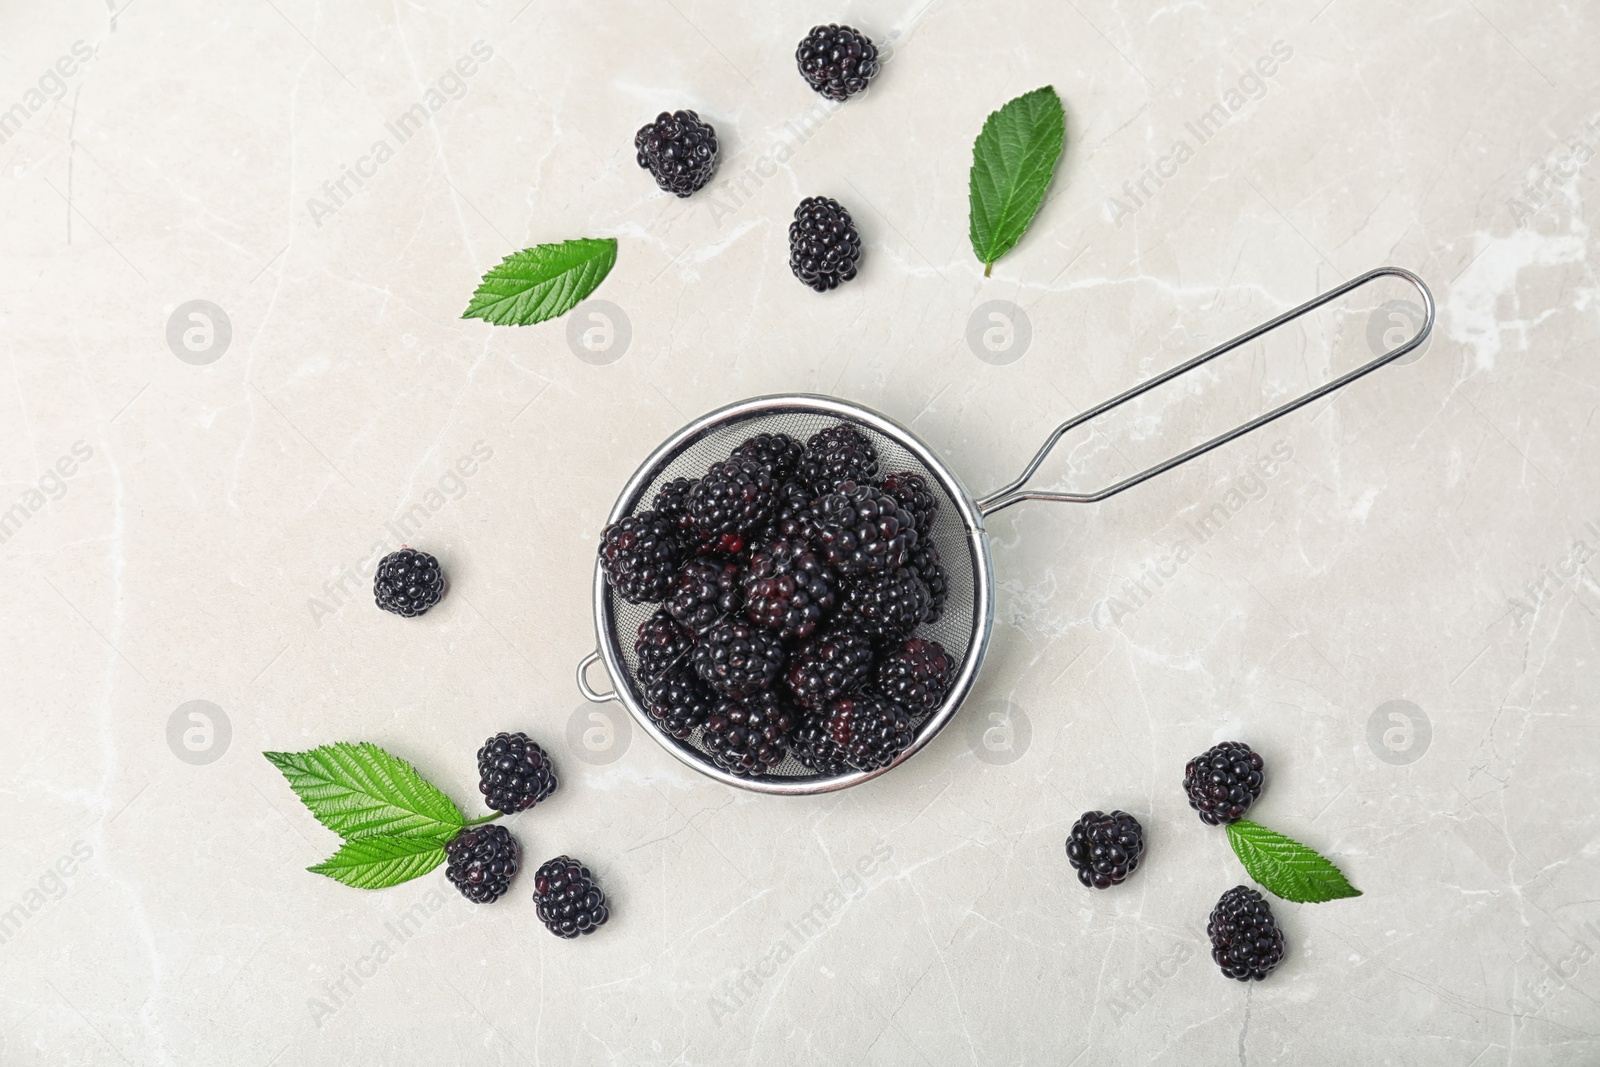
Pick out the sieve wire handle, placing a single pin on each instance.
(1015, 492)
(589, 692)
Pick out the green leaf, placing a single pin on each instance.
(362, 791)
(542, 282)
(382, 861)
(1012, 162)
(1285, 867)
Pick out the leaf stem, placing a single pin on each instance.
(987, 268)
(480, 822)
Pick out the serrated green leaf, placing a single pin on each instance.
(361, 791)
(1013, 160)
(382, 861)
(1285, 867)
(542, 282)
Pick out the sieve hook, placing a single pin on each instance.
(1014, 493)
(589, 692)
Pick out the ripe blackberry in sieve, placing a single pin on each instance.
(861, 528)
(776, 453)
(640, 555)
(885, 605)
(837, 455)
(911, 490)
(824, 246)
(679, 701)
(832, 664)
(672, 503)
(749, 735)
(1223, 781)
(481, 861)
(925, 562)
(662, 643)
(813, 745)
(408, 582)
(736, 657)
(707, 589)
(514, 773)
(678, 150)
(788, 588)
(837, 61)
(1245, 940)
(569, 901)
(916, 675)
(872, 730)
(735, 496)
(792, 517)
(1104, 849)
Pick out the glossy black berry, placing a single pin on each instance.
(736, 496)
(408, 582)
(813, 745)
(640, 555)
(836, 61)
(926, 565)
(832, 664)
(860, 528)
(886, 605)
(569, 901)
(837, 455)
(749, 735)
(913, 493)
(736, 657)
(1104, 849)
(678, 150)
(792, 516)
(776, 453)
(662, 643)
(872, 730)
(788, 588)
(824, 246)
(481, 861)
(672, 502)
(1223, 782)
(1245, 940)
(708, 589)
(679, 701)
(514, 773)
(917, 675)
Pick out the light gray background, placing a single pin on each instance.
(1427, 540)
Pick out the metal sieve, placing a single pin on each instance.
(959, 534)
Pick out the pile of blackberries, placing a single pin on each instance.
(792, 582)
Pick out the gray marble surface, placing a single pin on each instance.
(1394, 600)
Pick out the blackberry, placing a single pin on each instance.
(861, 528)
(707, 590)
(925, 562)
(832, 664)
(824, 246)
(837, 455)
(640, 555)
(736, 496)
(679, 702)
(672, 503)
(792, 517)
(748, 735)
(481, 862)
(813, 745)
(736, 658)
(1105, 849)
(569, 902)
(912, 491)
(1223, 781)
(1245, 940)
(408, 582)
(678, 150)
(776, 453)
(886, 605)
(837, 61)
(917, 675)
(872, 730)
(514, 773)
(662, 643)
(787, 588)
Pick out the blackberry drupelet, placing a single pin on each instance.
(640, 555)
(925, 562)
(514, 773)
(737, 658)
(885, 605)
(749, 735)
(569, 902)
(678, 701)
(1245, 940)
(481, 861)
(917, 675)
(408, 582)
(912, 491)
(824, 246)
(860, 528)
(708, 589)
(837, 455)
(776, 453)
(788, 588)
(678, 150)
(872, 730)
(1223, 781)
(736, 496)
(813, 745)
(832, 664)
(662, 643)
(1105, 849)
(837, 61)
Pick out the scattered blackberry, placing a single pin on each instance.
(871, 730)
(679, 702)
(707, 589)
(737, 658)
(569, 902)
(861, 528)
(640, 555)
(824, 246)
(1223, 781)
(662, 643)
(813, 745)
(837, 61)
(787, 588)
(1105, 849)
(832, 664)
(912, 491)
(481, 862)
(886, 605)
(408, 582)
(736, 496)
(925, 562)
(917, 675)
(678, 150)
(514, 773)
(777, 453)
(1245, 940)
(837, 455)
(748, 735)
